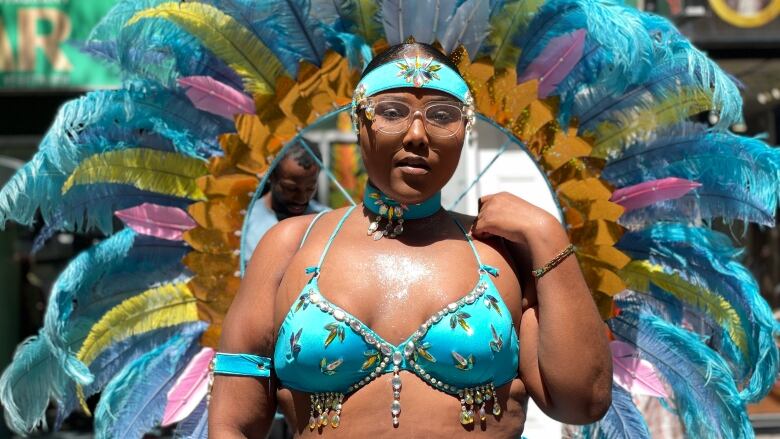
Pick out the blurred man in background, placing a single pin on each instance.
(291, 187)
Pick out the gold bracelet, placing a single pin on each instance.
(539, 272)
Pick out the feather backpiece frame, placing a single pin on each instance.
(534, 68)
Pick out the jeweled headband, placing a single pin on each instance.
(412, 72)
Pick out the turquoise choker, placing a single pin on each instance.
(394, 212)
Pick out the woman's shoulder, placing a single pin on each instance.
(289, 233)
(462, 218)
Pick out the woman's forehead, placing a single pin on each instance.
(414, 94)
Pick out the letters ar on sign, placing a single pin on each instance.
(36, 49)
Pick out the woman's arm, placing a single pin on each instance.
(244, 407)
(565, 361)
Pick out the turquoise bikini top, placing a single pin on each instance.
(467, 348)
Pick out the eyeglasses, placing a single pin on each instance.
(440, 119)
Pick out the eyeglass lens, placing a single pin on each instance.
(441, 119)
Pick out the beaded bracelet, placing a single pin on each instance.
(539, 272)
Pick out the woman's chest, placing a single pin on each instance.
(394, 289)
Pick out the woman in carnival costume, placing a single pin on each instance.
(606, 100)
(341, 337)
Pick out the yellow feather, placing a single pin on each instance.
(505, 25)
(363, 16)
(226, 38)
(161, 307)
(637, 125)
(146, 169)
(639, 274)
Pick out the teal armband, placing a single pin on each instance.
(241, 365)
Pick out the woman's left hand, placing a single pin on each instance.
(510, 217)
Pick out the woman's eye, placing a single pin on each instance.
(441, 116)
(392, 113)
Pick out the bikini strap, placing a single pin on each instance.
(311, 225)
(316, 269)
(483, 268)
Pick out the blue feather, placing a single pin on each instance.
(85, 207)
(705, 72)
(196, 424)
(623, 419)
(142, 115)
(426, 20)
(740, 175)
(25, 386)
(351, 46)
(287, 27)
(102, 277)
(617, 52)
(706, 257)
(134, 400)
(705, 395)
(116, 358)
(84, 127)
(677, 65)
(153, 49)
(349, 17)
(468, 27)
(681, 314)
(34, 185)
(34, 377)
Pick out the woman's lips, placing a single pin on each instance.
(413, 170)
(413, 165)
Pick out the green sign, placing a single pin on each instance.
(34, 44)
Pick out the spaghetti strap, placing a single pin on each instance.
(482, 267)
(311, 225)
(332, 237)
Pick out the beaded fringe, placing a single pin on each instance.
(475, 397)
(322, 404)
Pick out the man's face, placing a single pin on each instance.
(292, 187)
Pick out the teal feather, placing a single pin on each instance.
(25, 386)
(502, 43)
(707, 258)
(359, 18)
(140, 115)
(681, 314)
(100, 278)
(677, 65)
(623, 419)
(34, 377)
(288, 26)
(468, 27)
(740, 176)
(134, 400)
(426, 20)
(153, 49)
(710, 77)
(117, 357)
(705, 395)
(617, 53)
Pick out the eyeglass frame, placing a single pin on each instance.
(363, 103)
(370, 105)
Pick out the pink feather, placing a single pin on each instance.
(635, 375)
(556, 61)
(190, 388)
(650, 192)
(158, 221)
(210, 95)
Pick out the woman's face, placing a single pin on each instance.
(413, 165)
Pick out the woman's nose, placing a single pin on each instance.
(416, 135)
